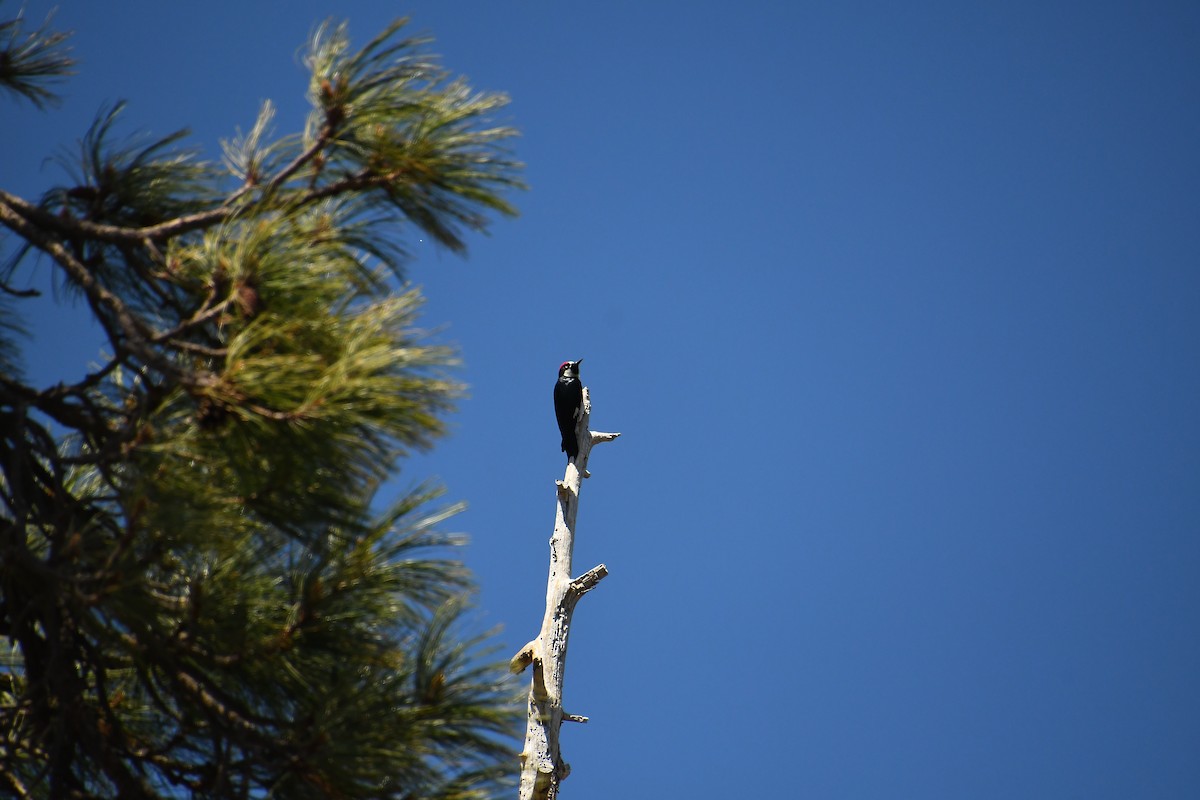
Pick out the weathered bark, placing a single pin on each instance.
(542, 766)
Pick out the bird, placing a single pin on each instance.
(568, 405)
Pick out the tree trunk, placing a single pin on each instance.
(542, 766)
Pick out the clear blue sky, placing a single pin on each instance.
(898, 308)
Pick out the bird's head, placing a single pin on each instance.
(569, 369)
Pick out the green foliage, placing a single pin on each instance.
(391, 115)
(29, 60)
(198, 597)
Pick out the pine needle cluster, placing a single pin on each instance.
(199, 595)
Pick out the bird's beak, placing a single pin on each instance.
(578, 361)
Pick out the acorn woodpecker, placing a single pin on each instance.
(568, 405)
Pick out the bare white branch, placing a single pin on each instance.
(542, 765)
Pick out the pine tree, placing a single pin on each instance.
(199, 594)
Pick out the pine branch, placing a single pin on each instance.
(125, 330)
(30, 60)
(195, 572)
